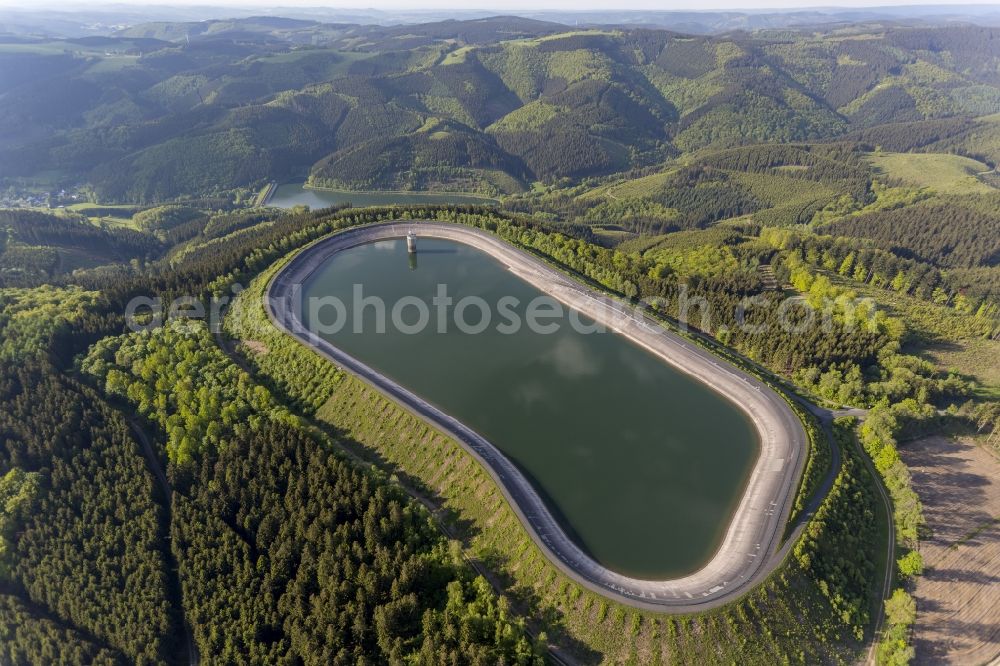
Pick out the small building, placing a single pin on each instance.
(411, 242)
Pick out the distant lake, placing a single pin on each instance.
(296, 194)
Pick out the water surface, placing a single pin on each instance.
(295, 194)
(642, 464)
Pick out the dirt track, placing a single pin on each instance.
(958, 597)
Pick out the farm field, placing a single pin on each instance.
(113, 214)
(959, 592)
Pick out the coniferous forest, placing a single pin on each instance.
(213, 492)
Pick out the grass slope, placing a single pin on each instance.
(945, 174)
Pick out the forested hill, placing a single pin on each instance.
(169, 109)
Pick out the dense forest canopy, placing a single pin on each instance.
(164, 111)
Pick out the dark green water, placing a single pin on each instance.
(294, 194)
(642, 464)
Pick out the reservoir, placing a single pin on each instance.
(642, 464)
(296, 194)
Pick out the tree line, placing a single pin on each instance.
(286, 551)
(944, 233)
(89, 546)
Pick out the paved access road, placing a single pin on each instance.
(750, 548)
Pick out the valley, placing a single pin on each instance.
(781, 451)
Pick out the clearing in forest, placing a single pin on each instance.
(946, 174)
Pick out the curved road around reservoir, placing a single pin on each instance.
(750, 548)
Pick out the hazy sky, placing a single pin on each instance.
(507, 5)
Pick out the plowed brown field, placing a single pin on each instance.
(958, 597)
